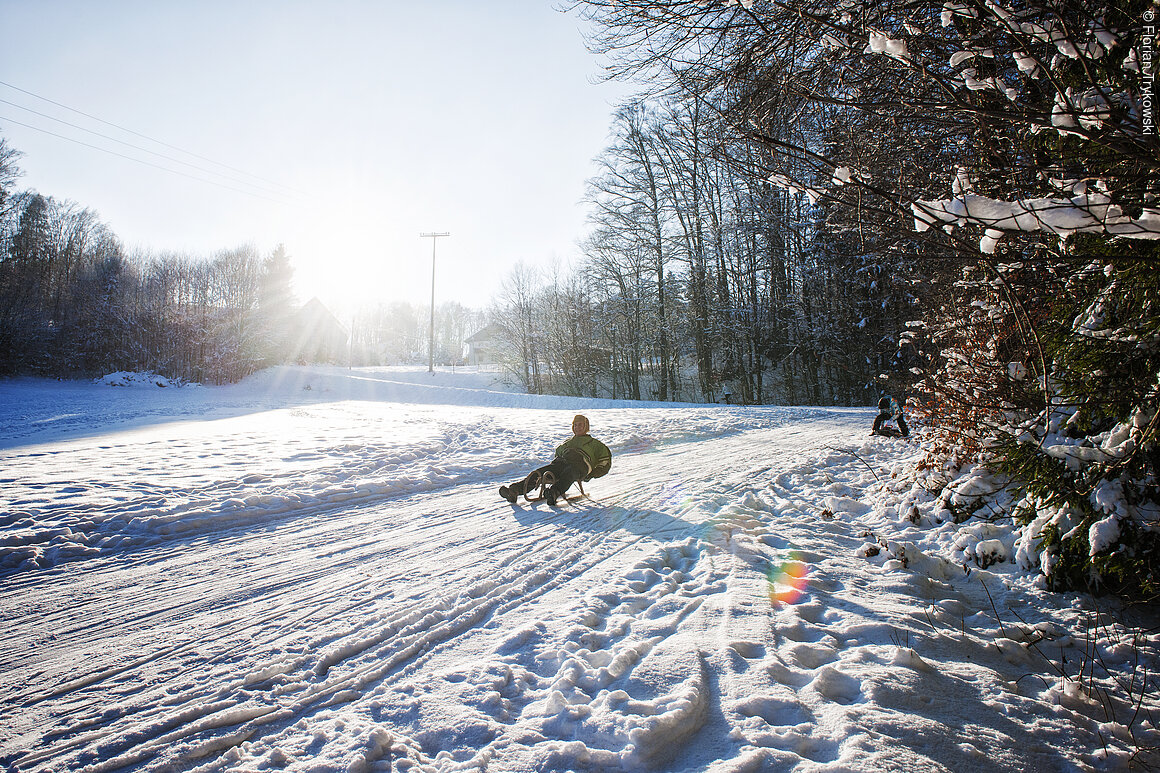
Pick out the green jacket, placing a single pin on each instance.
(594, 454)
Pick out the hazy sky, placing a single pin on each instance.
(366, 122)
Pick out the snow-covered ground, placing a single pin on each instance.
(312, 571)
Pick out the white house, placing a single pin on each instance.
(480, 348)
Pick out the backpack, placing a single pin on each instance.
(597, 457)
(601, 460)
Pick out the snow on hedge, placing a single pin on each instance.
(124, 378)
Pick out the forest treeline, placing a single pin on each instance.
(954, 202)
(700, 279)
(762, 221)
(399, 333)
(74, 302)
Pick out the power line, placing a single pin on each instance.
(143, 136)
(141, 161)
(138, 147)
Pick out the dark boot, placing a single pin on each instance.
(509, 493)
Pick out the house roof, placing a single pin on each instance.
(314, 313)
(489, 332)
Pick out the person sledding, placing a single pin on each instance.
(580, 458)
(888, 422)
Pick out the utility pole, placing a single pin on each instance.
(431, 340)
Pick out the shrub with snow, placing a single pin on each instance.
(133, 379)
(1045, 379)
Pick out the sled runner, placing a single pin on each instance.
(538, 490)
(536, 487)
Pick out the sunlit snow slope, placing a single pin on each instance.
(313, 571)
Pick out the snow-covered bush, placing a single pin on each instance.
(126, 378)
(1050, 375)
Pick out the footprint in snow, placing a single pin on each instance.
(783, 674)
(749, 650)
(837, 686)
(775, 712)
(812, 656)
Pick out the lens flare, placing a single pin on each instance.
(738, 530)
(788, 580)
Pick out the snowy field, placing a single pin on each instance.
(312, 571)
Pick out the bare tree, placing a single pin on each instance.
(517, 313)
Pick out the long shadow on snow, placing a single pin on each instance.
(590, 515)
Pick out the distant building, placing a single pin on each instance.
(482, 348)
(317, 335)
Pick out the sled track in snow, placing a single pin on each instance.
(328, 606)
(330, 669)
